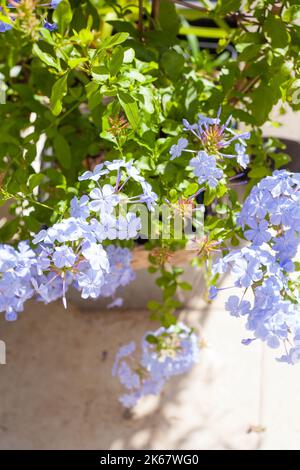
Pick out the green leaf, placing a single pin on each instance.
(75, 61)
(191, 189)
(251, 51)
(168, 18)
(8, 230)
(258, 172)
(173, 63)
(116, 60)
(152, 270)
(152, 339)
(209, 196)
(153, 305)
(221, 189)
(59, 90)
(62, 151)
(291, 14)
(114, 40)
(280, 159)
(46, 58)
(262, 103)
(227, 6)
(34, 180)
(275, 30)
(56, 177)
(185, 286)
(130, 107)
(63, 15)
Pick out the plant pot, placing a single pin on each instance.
(293, 150)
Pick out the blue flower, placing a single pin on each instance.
(213, 135)
(128, 226)
(213, 292)
(241, 156)
(236, 307)
(103, 199)
(79, 208)
(95, 254)
(90, 283)
(63, 256)
(177, 149)
(205, 168)
(258, 233)
(50, 26)
(148, 196)
(55, 3)
(172, 351)
(270, 216)
(94, 175)
(5, 26)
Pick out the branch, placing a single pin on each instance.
(140, 21)
(190, 5)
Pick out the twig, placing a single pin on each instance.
(155, 9)
(140, 21)
(190, 5)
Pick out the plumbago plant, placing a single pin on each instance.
(110, 104)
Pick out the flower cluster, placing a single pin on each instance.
(268, 267)
(76, 250)
(9, 16)
(16, 268)
(214, 139)
(164, 353)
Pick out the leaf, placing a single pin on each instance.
(114, 40)
(63, 15)
(153, 305)
(152, 339)
(46, 58)
(275, 30)
(130, 107)
(280, 159)
(209, 196)
(59, 90)
(185, 286)
(75, 61)
(62, 151)
(259, 172)
(8, 230)
(191, 189)
(251, 51)
(227, 6)
(168, 18)
(129, 55)
(262, 103)
(291, 14)
(173, 63)
(34, 180)
(116, 60)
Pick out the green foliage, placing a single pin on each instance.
(104, 86)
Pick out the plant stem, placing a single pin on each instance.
(140, 21)
(190, 5)
(155, 9)
(8, 196)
